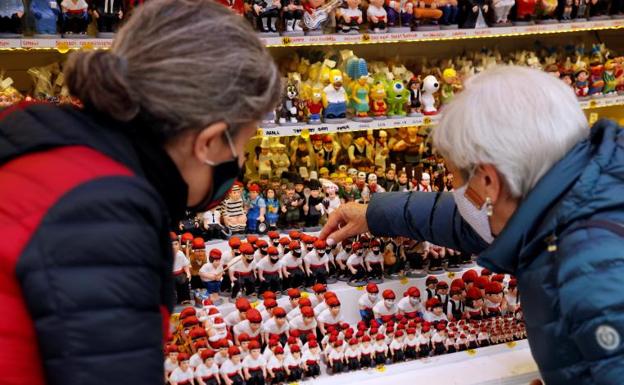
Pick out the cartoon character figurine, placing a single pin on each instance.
(428, 88)
(546, 11)
(279, 159)
(349, 18)
(398, 97)
(11, 13)
(335, 97)
(379, 107)
(317, 14)
(608, 76)
(596, 81)
(266, 13)
(501, 11)
(233, 212)
(75, 17)
(288, 110)
(581, 83)
(450, 85)
(450, 14)
(315, 105)
(257, 209)
(108, 13)
(292, 13)
(525, 11)
(46, 14)
(377, 16)
(400, 13)
(427, 15)
(358, 70)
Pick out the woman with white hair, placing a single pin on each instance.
(538, 195)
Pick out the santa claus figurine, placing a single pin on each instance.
(367, 301)
(386, 310)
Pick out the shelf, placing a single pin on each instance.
(452, 34)
(350, 125)
(64, 45)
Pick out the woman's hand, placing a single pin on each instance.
(346, 221)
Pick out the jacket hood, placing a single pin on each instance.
(589, 179)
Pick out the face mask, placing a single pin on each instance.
(389, 303)
(372, 297)
(224, 175)
(296, 253)
(414, 301)
(477, 218)
(376, 252)
(274, 260)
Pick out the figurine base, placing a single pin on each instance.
(414, 114)
(500, 25)
(362, 119)
(399, 29)
(436, 271)
(454, 269)
(523, 23)
(377, 30)
(268, 34)
(350, 32)
(105, 35)
(316, 32)
(331, 280)
(336, 120)
(450, 26)
(597, 18)
(619, 17)
(356, 283)
(293, 33)
(548, 21)
(565, 21)
(467, 265)
(75, 36)
(314, 122)
(416, 274)
(580, 19)
(11, 35)
(377, 281)
(380, 117)
(343, 279)
(46, 36)
(429, 27)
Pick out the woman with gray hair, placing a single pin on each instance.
(88, 195)
(538, 195)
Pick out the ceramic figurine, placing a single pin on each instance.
(581, 83)
(46, 14)
(237, 6)
(581, 9)
(428, 88)
(501, 11)
(478, 13)
(266, 13)
(450, 85)
(398, 97)
(288, 110)
(378, 95)
(598, 9)
(596, 81)
(234, 216)
(315, 105)
(427, 15)
(608, 76)
(546, 10)
(109, 14)
(317, 14)
(335, 98)
(450, 14)
(377, 16)
(75, 18)
(400, 14)
(414, 98)
(256, 211)
(359, 89)
(11, 13)
(292, 13)
(349, 18)
(355, 265)
(525, 11)
(290, 204)
(566, 12)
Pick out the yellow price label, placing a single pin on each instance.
(62, 47)
(286, 40)
(305, 294)
(427, 120)
(380, 368)
(592, 104)
(593, 118)
(305, 133)
(511, 344)
(404, 281)
(293, 383)
(365, 37)
(255, 304)
(471, 352)
(450, 274)
(360, 288)
(87, 46)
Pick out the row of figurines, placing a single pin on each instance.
(48, 18)
(313, 17)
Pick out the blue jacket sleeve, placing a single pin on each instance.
(423, 216)
(590, 279)
(94, 277)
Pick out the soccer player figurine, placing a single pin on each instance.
(317, 264)
(375, 262)
(277, 327)
(207, 373)
(211, 274)
(355, 264)
(435, 311)
(242, 273)
(292, 266)
(474, 304)
(380, 350)
(183, 374)
(270, 271)
(367, 302)
(331, 316)
(386, 310)
(410, 306)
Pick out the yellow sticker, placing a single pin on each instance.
(593, 118)
(427, 120)
(286, 40)
(511, 344)
(381, 368)
(87, 47)
(305, 294)
(305, 133)
(293, 383)
(255, 304)
(62, 47)
(404, 281)
(592, 103)
(471, 352)
(365, 37)
(360, 288)
(450, 274)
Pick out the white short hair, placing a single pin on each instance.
(520, 120)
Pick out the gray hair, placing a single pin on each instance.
(520, 120)
(179, 64)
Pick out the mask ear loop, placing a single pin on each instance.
(228, 138)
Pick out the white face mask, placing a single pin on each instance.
(372, 297)
(414, 301)
(389, 303)
(477, 218)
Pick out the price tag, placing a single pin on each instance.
(593, 118)
(380, 368)
(404, 281)
(511, 344)
(305, 294)
(255, 304)
(62, 47)
(286, 40)
(450, 274)
(87, 46)
(471, 352)
(360, 288)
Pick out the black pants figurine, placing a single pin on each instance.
(107, 22)
(279, 376)
(376, 270)
(182, 288)
(360, 273)
(353, 363)
(380, 359)
(12, 24)
(245, 283)
(424, 351)
(337, 367)
(296, 374)
(314, 370)
(296, 279)
(319, 275)
(257, 378)
(410, 352)
(271, 282)
(366, 361)
(439, 348)
(398, 356)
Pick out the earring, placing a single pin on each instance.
(489, 208)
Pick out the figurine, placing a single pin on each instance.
(313, 209)
(424, 341)
(349, 18)
(596, 81)
(75, 17)
(266, 13)
(315, 105)
(566, 13)
(292, 13)
(598, 9)
(427, 15)
(317, 15)
(380, 349)
(398, 97)
(525, 11)
(435, 311)
(378, 95)
(410, 306)
(386, 310)
(183, 374)
(617, 9)
(197, 259)
(355, 264)
(494, 299)
(581, 83)
(377, 16)
(291, 201)
(450, 14)
(211, 274)
(450, 83)
(11, 13)
(232, 369)
(288, 110)
(501, 11)
(335, 97)
(455, 305)
(546, 11)
(257, 210)
(331, 316)
(46, 14)
(360, 91)
(474, 304)
(109, 14)
(400, 13)
(242, 273)
(478, 14)
(428, 88)
(317, 264)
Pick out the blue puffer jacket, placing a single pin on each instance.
(565, 244)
